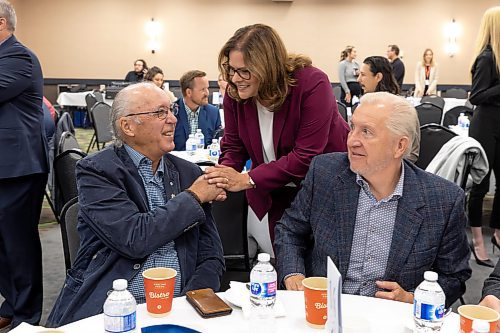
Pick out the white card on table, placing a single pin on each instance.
(334, 310)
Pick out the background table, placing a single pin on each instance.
(76, 99)
(360, 314)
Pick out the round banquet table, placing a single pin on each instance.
(360, 314)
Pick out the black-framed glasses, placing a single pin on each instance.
(244, 73)
(161, 113)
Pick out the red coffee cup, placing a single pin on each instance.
(315, 297)
(159, 286)
(470, 312)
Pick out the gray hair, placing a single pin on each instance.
(9, 14)
(403, 120)
(123, 104)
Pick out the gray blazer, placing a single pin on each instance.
(429, 232)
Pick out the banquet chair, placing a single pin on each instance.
(337, 91)
(432, 138)
(342, 110)
(65, 187)
(231, 220)
(429, 113)
(451, 116)
(64, 124)
(433, 99)
(69, 232)
(67, 141)
(99, 114)
(353, 108)
(455, 93)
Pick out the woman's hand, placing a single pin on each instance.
(227, 178)
(348, 97)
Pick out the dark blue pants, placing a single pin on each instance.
(20, 250)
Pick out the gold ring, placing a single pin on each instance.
(227, 180)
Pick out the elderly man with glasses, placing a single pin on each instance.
(140, 207)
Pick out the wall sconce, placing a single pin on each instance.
(451, 31)
(153, 30)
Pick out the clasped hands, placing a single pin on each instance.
(390, 290)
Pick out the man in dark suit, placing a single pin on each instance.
(383, 221)
(140, 207)
(194, 110)
(398, 67)
(23, 175)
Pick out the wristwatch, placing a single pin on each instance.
(251, 182)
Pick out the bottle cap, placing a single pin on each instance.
(198, 130)
(120, 284)
(214, 141)
(480, 326)
(264, 257)
(431, 276)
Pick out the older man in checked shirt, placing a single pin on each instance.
(382, 220)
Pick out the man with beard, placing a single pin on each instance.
(194, 110)
(383, 221)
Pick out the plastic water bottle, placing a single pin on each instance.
(200, 139)
(480, 326)
(428, 304)
(214, 151)
(461, 120)
(191, 145)
(119, 309)
(263, 287)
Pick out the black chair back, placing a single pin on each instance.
(65, 177)
(353, 108)
(69, 232)
(64, 124)
(433, 99)
(455, 93)
(231, 220)
(66, 142)
(342, 110)
(90, 100)
(451, 116)
(100, 114)
(432, 138)
(429, 113)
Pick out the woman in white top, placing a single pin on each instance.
(426, 75)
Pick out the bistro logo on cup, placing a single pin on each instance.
(158, 295)
(320, 305)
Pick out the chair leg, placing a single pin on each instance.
(462, 301)
(91, 143)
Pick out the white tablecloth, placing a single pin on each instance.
(76, 99)
(360, 314)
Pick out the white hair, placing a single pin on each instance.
(403, 119)
(9, 14)
(123, 104)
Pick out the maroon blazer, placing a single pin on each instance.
(307, 124)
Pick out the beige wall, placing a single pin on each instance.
(100, 39)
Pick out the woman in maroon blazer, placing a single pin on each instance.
(280, 112)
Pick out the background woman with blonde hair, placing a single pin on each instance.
(348, 75)
(280, 112)
(485, 127)
(426, 75)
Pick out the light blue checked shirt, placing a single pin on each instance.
(192, 118)
(372, 238)
(165, 256)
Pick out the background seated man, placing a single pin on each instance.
(137, 75)
(491, 292)
(382, 220)
(140, 207)
(194, 110)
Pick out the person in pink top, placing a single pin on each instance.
(280, 112)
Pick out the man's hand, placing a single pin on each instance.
(393, 291)
(492, 302)
(227, 178)
(294, 282)
(207, 192)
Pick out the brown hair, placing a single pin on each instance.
(345, 53)
(266, 58)
(188, 78)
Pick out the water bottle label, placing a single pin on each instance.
(263, 289)
(214, 152)
(428, 311)
(116, 324)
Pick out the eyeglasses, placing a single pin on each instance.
(161, 113)
(242, 72)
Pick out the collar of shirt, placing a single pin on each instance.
(396, 194)
(139, 160)
(189, 109)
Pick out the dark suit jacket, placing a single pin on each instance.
(22, 136)
(492, 283)
(429, 231)
(117, 232)
(306, 125)
(398, 69)
(208, 122)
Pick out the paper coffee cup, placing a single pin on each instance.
(470, 312)
(315, 297)
(159, 286)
